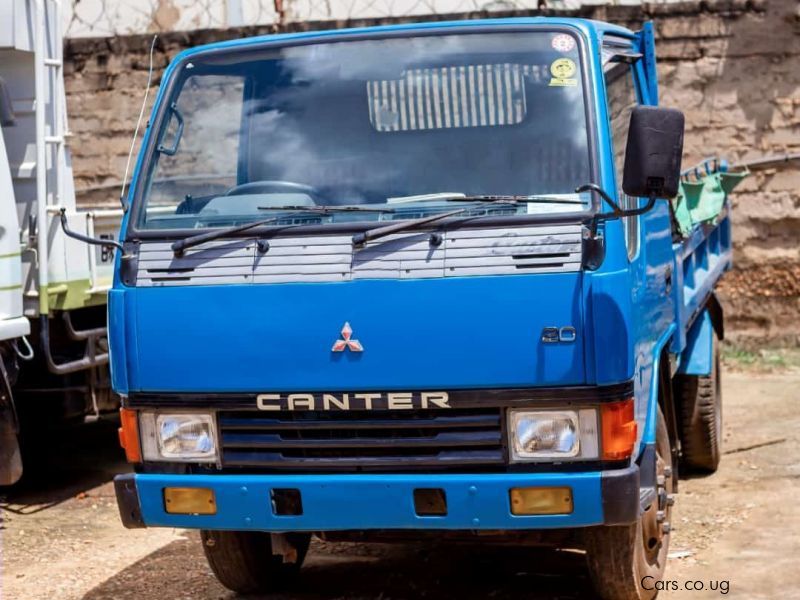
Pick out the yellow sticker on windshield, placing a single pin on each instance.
(562, 70)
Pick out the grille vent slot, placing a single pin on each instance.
(352, 440)
(329, 258)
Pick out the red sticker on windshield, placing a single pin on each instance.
(563, 42)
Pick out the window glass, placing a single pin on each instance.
(199, 146)
(621, 96)
(390, 122)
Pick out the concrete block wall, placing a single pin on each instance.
(733, 66)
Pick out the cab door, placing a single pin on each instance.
(648, 239)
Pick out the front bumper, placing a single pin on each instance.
(370, 501)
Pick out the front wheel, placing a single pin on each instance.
(244, 563)
(626, 561)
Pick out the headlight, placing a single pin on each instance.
(179, 437)
(549, 435)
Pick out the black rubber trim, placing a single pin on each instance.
(647, 467)
(666, 401)
(717, 315)
(129, 263)
(475, 398)
(620, 492)
(130, 511)
(7, 117)
(173, 468)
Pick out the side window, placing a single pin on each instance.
(621, 94)
(199, 146)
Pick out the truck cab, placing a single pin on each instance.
(412, 279)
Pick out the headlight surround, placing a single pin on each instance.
(179, 437)
(552, 435)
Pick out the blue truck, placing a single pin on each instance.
(411, 280)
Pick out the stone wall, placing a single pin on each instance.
(732, 66)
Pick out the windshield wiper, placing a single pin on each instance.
(519, 199)
(458, 197)
(324, 210)
(180, 246)
(359, 239)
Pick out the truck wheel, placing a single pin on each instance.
(244, 563)
(626, 561)
(10, 455)
(699, 399)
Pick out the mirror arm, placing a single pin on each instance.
(593, 187)
(617, 211)
(633, 212)
(85, 238)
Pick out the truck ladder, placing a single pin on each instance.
(49, 77)
(48, 73)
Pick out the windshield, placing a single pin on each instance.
(400, 124)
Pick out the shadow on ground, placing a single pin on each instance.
(63, 464)
(378, 571)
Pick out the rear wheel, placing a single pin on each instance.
(626, 561)
(243, 560)
(699, 398)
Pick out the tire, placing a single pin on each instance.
(626, 561)
(243, 561)
(10, 455)
(699, 400)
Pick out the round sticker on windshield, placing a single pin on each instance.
(562, 70)
(563, 42)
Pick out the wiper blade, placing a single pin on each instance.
(180, 246)
(518, 199)
(459, 197)
(359, 239)
(445, 196)
(330, 208)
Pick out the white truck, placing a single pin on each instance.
(53, 345)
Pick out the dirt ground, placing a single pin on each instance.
(738, 530)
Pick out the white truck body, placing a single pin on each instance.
(44, 275)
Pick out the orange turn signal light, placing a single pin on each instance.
(618, 426)
(129, 435)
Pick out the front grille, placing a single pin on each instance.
(356, 440)
(407, 255)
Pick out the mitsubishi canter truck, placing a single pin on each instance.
(415, 280)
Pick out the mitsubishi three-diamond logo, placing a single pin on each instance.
(347, 341)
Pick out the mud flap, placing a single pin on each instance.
(10, 457)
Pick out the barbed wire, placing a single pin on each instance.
(84, 18)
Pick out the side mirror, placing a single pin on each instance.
(653, 153)
(174, 116)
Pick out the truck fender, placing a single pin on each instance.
(660, 389)
(697, 356)
(659, 354)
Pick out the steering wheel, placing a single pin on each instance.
(271, 186)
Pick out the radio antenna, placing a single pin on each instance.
(138, 124)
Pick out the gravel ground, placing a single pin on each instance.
(737, 530)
